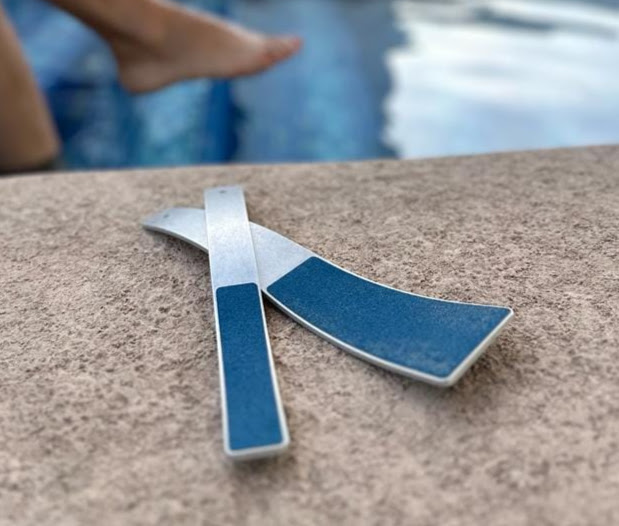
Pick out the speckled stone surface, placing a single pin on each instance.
(109, 404)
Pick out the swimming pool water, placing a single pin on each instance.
(376, 78)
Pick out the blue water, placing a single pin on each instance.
(376, 78)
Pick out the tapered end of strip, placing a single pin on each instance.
(187, 224)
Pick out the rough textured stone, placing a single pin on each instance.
(109, 404)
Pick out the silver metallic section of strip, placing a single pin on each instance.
(186, 224)
(231, 250)
(276, 255)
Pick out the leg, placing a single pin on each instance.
(28, 135)
(157, 42)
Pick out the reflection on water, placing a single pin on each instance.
(502, 75)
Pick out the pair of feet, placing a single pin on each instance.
(187, 44)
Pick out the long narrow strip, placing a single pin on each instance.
(253, 419)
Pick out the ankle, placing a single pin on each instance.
(150, 34)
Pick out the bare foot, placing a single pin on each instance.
(187, 44)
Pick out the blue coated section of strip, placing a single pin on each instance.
(428, 335)
(253, 419)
